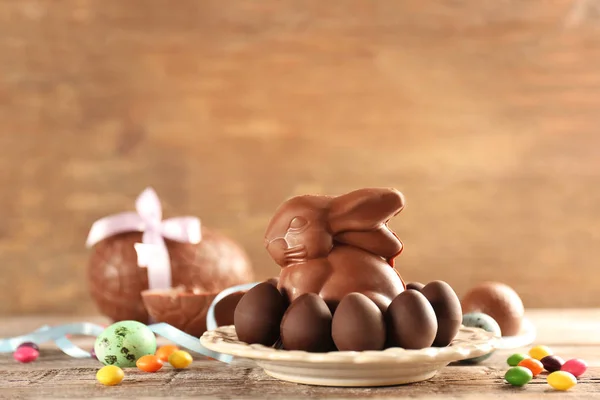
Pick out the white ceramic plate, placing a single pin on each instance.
(525, 337)
(393, 366)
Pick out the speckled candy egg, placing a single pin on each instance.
(485, 322)
(122, 343)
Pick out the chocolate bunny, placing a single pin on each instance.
(333, 246)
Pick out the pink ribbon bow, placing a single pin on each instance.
(152, 252)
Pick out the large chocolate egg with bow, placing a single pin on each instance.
(202, 270)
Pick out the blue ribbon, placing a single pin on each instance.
(58, 334)
(211, 322)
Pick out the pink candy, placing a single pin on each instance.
(575, 366)
(26, 354)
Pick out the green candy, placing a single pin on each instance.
(515, 359)
(518, 376)
(122, 343)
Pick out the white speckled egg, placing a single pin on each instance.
(485, 322)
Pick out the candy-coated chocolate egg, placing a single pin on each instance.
(561, 380)
(576, 366)
(539, 352)
(552, 363)
(533, 365)
(165, 351)
(149, 363)
(180, 359)
(258, 315)
(306, 325)
(110, 375)
(358, 324)
(500, 302)
(122, 343)
(447, 309)
(418, 286)
(411, 321)
(26, 354)
(485, 322)
(515, 359)
(518, 376)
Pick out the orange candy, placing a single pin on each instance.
(164, 352)
(149, 363)
(535, 366)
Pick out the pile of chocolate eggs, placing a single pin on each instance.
(419, 317)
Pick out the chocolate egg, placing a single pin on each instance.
(418, 286)
(358, 324)
(306, 325)
(500, 302)
(411, 322)
(258, 315)
(447, 309)
(116, 281)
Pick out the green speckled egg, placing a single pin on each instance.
(122, 343)
(485, 322)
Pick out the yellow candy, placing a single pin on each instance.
(110, 375)
(539, 352)
(180, 359)
(562, 380)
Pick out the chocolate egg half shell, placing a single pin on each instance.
(447, 309)
(116, 281)
(500, 302)
(306, 325)
(258, 315)
(411, 322)
(358, 324)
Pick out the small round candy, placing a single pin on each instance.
(26, 354)
(552, 363)
(533, 365)
(562, 380)
(518, 376)
(539, 352)
(485, 322)
(110, 375)
(515, 359)
(576, 367)
(180, 359)
(29, 344)
(164, 352)
(149, 363)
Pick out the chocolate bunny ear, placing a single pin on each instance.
(364, 209)
(359, 219)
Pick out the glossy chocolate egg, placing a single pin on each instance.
(306, 325)
(418, 286)
(258, 315)
(447, 309)
(500, 302)
(411, 322)
(358, 324)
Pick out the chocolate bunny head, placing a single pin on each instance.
(307, 227)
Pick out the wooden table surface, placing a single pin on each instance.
(571, 333)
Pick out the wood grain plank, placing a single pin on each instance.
(55, 375)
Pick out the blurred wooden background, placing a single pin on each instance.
(486, 114)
